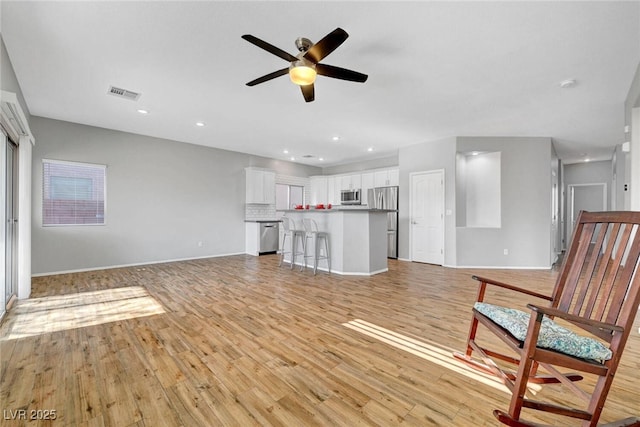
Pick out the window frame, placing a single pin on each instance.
(96, 167)
(289, 204)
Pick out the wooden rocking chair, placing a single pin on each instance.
(597, 291)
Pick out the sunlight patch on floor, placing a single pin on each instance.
(37, 316)
(431, 352)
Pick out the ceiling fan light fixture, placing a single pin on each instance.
(302, 73)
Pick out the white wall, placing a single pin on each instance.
(8, 79)
(163, 197)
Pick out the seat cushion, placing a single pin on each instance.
(552, 335)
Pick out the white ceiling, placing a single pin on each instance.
(436, 69)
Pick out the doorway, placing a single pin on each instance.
(585, 197)
(9, 223)
(427, 217)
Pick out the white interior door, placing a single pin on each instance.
(427, 217)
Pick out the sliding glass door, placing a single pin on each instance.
(9, 224)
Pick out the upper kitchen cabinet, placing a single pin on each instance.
(368, 182)
(334, 184)
(350, 182)
(261, 186)
(386, 178)
(319, 190)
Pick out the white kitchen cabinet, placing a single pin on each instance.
(252, 238)
(334, 184)
(319, 193)
(367, 180)
(386, 177)
(337, 189)
(394, 177)
(269, 181)
(350, 182)
(260, 186)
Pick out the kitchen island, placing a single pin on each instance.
(357, 239)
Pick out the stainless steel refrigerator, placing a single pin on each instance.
(387, 198)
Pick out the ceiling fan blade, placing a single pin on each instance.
(268, 77)
(340, 73)
(327, 45)
(308, 92)
(269, 48)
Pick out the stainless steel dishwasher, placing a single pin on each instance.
(268, 238)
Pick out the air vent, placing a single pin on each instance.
(124, 93)
(308, 156)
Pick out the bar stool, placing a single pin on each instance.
(289, 227)
(311, 232)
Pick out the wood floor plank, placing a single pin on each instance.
(238, 341)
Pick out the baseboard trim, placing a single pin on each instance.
(297, 265)
(110, 267)
(499, 267)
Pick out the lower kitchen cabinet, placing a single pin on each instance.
(261, 237)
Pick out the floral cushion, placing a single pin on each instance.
(552, 335)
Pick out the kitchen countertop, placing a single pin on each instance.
(340, 210)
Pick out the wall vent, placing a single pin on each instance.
(124, 93)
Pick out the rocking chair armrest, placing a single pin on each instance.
(549, 311)
(511, 287)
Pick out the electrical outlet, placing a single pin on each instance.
(506, 251)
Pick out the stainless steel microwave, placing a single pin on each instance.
(350, 197)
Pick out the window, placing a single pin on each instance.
(287, 196)
(73, 193)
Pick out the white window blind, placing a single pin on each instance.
(73, 193)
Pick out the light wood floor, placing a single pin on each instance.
(238, 341)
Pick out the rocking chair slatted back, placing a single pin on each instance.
(596, 281)
(598, 290)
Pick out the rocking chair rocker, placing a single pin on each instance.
(597, 291)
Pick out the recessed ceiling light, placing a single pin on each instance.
(474, 153)
(321, 159)
(586, 160)
(370, 149)
(141, 111)
(292, 158)
(336, 138)
(569, 83)
(199, 124)
(285, 151)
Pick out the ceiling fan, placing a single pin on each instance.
(306, 65)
